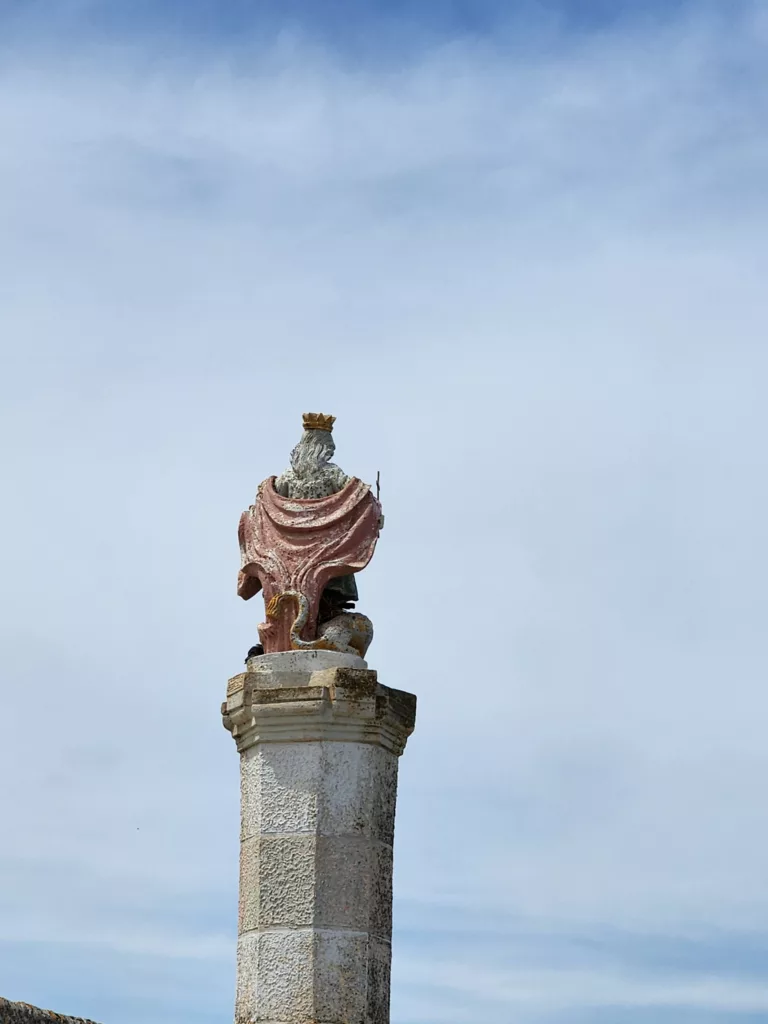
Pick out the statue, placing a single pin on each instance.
(308, 532)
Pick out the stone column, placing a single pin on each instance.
(319, 741)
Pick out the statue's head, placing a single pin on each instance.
(316, 448)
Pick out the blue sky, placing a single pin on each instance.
(338, 23)
(521, 255)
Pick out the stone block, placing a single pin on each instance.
(285, 978)
(359, 790)
(290, 779)
(345, 793)
(382, 782)
(250, 793)
(341, 977)
(248, 906)
(247, 978)
(287, 881)
(380, 899)
(343, 882)
(378, 982)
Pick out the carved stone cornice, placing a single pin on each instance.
(339, 704)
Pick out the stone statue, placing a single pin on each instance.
(312, 474)
(310, 530)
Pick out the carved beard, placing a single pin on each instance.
(310, 456)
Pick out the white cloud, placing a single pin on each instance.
(575, 990)
(161, 946)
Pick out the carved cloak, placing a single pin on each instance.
(301, 544)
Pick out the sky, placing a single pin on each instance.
(519, 250)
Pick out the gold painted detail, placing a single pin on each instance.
(318, 421)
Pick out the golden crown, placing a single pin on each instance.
(317, 421)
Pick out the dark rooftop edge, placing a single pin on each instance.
(23, 1013)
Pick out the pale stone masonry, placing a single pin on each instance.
(319, 739)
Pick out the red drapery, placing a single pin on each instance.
(301, 544)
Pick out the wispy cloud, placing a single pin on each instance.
(559, 990)
(528, 276)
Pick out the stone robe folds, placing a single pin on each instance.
(300, 544)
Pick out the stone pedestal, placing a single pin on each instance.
(319, 741)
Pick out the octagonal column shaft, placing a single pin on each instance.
(319, 740)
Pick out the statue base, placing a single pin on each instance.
(319, 739)
(303, 662)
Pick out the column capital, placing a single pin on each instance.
(313, 702)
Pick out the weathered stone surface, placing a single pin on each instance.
(301, 542)
(379, 971)
(23, 1013)
(287, 872)
(340, 976)
(343, 704)
(248, 910)
(319, 746)
(301, 662)
(284, 974)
